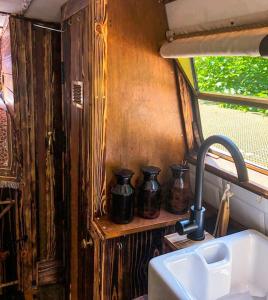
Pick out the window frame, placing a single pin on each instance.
(231, 99)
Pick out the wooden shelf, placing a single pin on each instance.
(111, 230)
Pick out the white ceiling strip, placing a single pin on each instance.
(186, 16)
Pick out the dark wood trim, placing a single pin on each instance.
(249, 165)
(197, 128)
(250, 186)
(239, 100)
(72, 7)
(167, 1)
(181, 70)
(49, 272)
(189, 108)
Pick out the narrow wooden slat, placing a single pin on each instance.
(72, 7)
(4, 285)
(98, 25)
(5, 210)
(7, 202)
(233, 99)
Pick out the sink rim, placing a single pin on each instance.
(160, 264)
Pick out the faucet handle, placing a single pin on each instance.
(194, 227)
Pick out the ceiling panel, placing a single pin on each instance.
(11, 6)
(45, 10)
(185, 16)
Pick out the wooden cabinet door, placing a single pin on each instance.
(126, 262)
(75, 45)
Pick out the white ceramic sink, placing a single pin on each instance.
(232, 267)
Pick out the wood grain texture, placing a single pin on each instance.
(98, 107)
(143, 116)
(21, 36)
(126, 262)
(177, 242)
(185, 101)
(37, 95)
(133, 97)
(77, 67)
(72, 7)
(50, 272)
(110, 230)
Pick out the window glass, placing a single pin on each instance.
(246, 126)
(241, 76)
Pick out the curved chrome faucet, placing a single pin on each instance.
(194, 227)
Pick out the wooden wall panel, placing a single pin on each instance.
(77, 67)
(38, 119)
(143, 117)
(98, 53)
(21, 37)
(126, 263)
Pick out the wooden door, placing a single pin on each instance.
(76, 64)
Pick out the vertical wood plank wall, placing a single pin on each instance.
(76, 43)
(133, 118)
(38, 118)
(143, 118)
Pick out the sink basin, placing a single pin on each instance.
(231, 267)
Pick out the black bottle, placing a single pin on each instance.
(123, 198)
(149, 198)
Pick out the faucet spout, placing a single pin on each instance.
(194, 227)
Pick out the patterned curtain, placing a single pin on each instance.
(8, 157)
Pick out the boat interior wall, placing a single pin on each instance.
(36, 63)
(186, 16)
(143, 117)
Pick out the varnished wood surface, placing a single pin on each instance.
(133, 119)
(76, 43)
(37, 95)
(177, 242)
(126, 262)
(226, 169)
(98, 109)
(185, 100)
(21, 37)
(72, 7)
(111, 230)
(143, 115)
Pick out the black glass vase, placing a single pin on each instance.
(123, 198)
